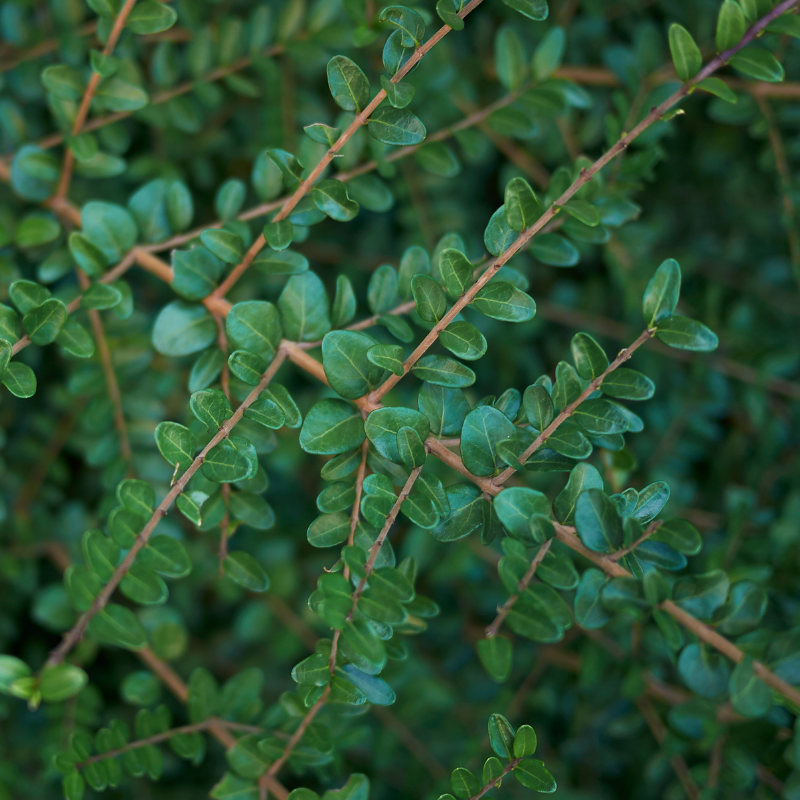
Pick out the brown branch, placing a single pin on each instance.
(623, 356)
(360, 120)
(108, 372)
(703, 632)
(568, 536)
(37, 475)
(75, 304)
(715, 762)
(510, 149)
(163, 96)
(659, 734)
(86, 100)
(651, 529)
(360, 475)
(166, 735)
(785, 185)
(585, 176)
(72, 637)
(264, 780)
(600, 76)
(222, 343)
(615, 330)
(492, 783)
(493, 629)
(174, 683)
(378, 543)
(43, 48)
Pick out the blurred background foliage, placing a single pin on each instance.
(713, 188)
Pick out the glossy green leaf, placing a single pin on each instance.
(464, 340)
(456, 271)
(387, 356)
(758, 64)
(429, 297)
(176, 443)
(533, 774)
(19, 379)
(396, 126)
(686, 54)
(683, 333)
(443, 372)
(533, 9)
(731, 25)
(627, 384)
(597, 521)
(43, 323)
(348, 84)
(149, 16)
(225, 245)
(255, 326)
(61, 682)
(331, 427)
(521, 205)
(182, 329)
(119, 626)
(331, 197)
(496, 654)
(243, 569)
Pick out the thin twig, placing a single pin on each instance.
(44, 47)
(110, 376)
(615, 330)
(174, 683)
(166, 735)
(511, 150)
(296, 737)
(86, 100)
(493, 629)
(586, 175)
(785, 185)
(378, 543)
(360, 120)
(74, 635)
(163, 97)
(659, 734)
(651, 529)
(37, 475)
(359, 487)
(623, 356)
(492, 783)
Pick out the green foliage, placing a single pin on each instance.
(449, 508)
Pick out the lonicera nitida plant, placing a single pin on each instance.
(295, 499)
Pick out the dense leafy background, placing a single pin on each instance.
(706, 193)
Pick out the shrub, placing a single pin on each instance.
(238, 511)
